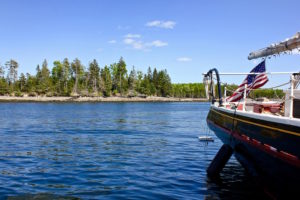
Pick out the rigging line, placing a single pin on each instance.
(251, 89)
(264, 88)
(261, 88)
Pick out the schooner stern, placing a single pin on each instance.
(263, 135)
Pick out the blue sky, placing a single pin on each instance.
(185, 37)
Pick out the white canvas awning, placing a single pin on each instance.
(287, 45)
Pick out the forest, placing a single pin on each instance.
(74, 79)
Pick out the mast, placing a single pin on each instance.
(287, 45)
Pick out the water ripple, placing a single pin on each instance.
(112, 150)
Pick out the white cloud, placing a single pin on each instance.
(162, 24)
(157, 43)
(129, 35)
(135, 44)
(184, 59)
(112, 41)
(134, 41)
(153, 23)
(128, 41)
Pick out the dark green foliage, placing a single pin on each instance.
(120, 76)
(106, 78)
(19, 94)
(68, 79)
(156, 83)
(4, 87)
(57, 77)
(188, 90)
(77, 75)
(164, 86)
(269, 93)
(132, 79)
(93, 76)
(22, 82)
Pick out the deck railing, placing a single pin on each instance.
(291, 95)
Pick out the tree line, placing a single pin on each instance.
(74, 79)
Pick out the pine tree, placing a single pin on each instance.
(31, 83)
(164, 86)
(114, 75)
(94, 75)
(77, 70)
(106, 77)
(12, 75)
(121, 73)
(155, 78)
(45, 78)
(22, 82)
(3, 83)
(132, 79)
(66, 75)
(2, 71)
(149, 74)
(57, 77)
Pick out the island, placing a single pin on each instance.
(73, 82)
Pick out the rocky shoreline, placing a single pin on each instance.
(98, 99)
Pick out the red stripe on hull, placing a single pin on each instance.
(284, 156)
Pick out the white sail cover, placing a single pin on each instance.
(287, 45)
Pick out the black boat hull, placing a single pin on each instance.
(268, 150)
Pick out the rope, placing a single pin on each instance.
(261, 88)
(250, 89)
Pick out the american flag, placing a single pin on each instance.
(253, 81)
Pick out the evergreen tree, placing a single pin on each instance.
(154, 76)
(106, 77)
(132, 79)
(65, 78)
(31, 83)
(3, 83)
(114, 75)
(45, 78)
(94, 75)
(58, 77)
(145, 85)
(77, 72)
(38, 77)
(121, 75)
(164, 84)
(22, 82)
(67, 73)
(2, 71)
(12, 75)
(149, 74)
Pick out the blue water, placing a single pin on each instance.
(113, 151)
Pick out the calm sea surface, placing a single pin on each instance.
(113, 151)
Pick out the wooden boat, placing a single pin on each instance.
(264, 136)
